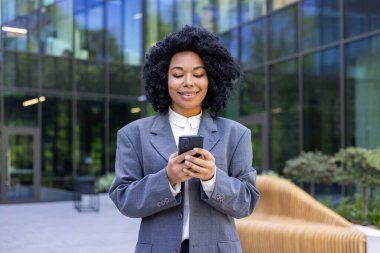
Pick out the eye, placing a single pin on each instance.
(177, 76)
(199, 75)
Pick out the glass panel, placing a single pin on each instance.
(20, 167)
(184, 13)
(320, 22)
(124, 80)
(20, 25)
(56, 73)
(89, 131)
(20, 70)
(252, 94)
(204, 14)
(277, 4)
(133, 33)
(166, 17)
(121, 113)
(282, 40)
(115, 31)
(230, 41)
(95, 33)
(253, 44)
(257, 146)
(362, 78)
(17, 114)
(80, 42)
(361, 16)
(284, 113)
(90, 77)
(227, 14)
(321, 101)
(57, 138)
(252, 9)
(57, 28)
(89, 33)
(151, 32)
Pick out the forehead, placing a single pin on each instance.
(186, 58)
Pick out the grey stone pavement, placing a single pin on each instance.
(56, 227)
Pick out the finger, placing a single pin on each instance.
(196, 168)
(173, 155)
(207, 155)
(198, 161)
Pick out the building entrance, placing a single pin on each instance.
(21, 165)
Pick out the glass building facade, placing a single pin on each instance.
(70, 78)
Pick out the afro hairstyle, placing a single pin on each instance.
(220, 67)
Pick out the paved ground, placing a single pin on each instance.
(57, 227)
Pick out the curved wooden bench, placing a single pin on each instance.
(288, 220)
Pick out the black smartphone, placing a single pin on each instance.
(188, 142)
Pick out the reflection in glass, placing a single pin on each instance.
(230, 41)
(252, 94)
(284, 113)
(90, 35)
(120, 115)
(227, 14)
(133, 32)
(115, 30)
(204, 14)
(257, 146)
(282, 37)
(57, 141)
(151, 32)
(89, 131)
(321, 101)
(277, 4)
(124, 80)
(320, 22)
(18, 115)
(361, 16)
(20, 167)
(56, 28)
(56, 73)
(253, 43)
(21, 15)
(362, 79)
(252, 9)
(184, 13)
(166, 17)
(90, 77)
(20, 70)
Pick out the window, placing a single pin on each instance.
(362, 79)
(322, 101)
(284, 113)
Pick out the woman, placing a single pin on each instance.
(187, 203)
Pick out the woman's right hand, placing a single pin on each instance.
(175, 167)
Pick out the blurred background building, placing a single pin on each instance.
(70, 78)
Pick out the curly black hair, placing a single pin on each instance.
(220, 67)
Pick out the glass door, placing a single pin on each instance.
(21, 176)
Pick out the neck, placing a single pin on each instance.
(189, 112)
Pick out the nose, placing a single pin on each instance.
(188, 80)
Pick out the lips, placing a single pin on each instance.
(188, 94)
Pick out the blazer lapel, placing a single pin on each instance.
(161, 136)
(209, 130)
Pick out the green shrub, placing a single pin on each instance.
(103, 184)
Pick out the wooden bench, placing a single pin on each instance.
(289, 220)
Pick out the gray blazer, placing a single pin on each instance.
(141, 188)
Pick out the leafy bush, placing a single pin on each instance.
(103, 184)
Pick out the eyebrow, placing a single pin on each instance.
(180, 68)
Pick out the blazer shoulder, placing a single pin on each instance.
(139, 125)
(230, 125)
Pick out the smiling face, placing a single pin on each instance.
(187, 83)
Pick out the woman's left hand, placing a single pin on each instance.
(202, 167)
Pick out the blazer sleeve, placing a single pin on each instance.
(236, 194)
(137, 195)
